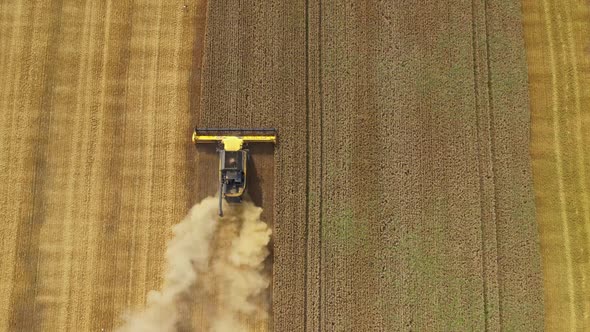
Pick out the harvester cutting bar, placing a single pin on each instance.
(236, 129)
(211, 135)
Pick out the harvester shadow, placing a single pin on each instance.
(260, 172)
(258, 155)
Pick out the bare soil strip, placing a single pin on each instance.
(558, 48)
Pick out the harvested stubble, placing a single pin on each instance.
(558, 51)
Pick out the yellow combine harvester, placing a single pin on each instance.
(233, 157)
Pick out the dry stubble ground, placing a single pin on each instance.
(94, 100)
(399, 192)
(558, 48)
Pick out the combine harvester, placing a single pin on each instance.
(233, 157)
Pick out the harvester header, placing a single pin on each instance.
(233, 138)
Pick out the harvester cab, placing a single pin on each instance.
(233, 157)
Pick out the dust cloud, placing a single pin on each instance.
(217, 258)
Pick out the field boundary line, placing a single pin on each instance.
(479, 143)
(486, 164)
(314, 166)
(307, 168)
(493, 158)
